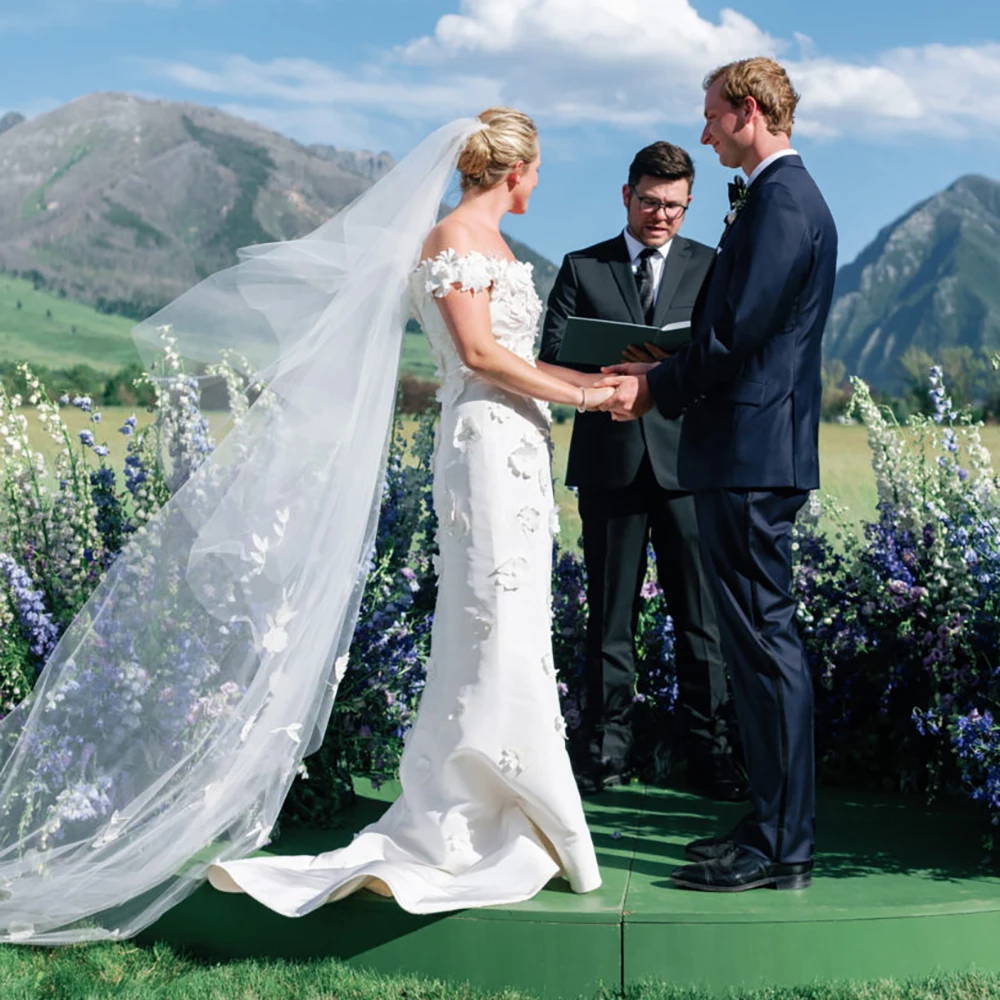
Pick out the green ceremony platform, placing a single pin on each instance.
(898, 892)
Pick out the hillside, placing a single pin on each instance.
(124, 203)
(928, 280)
(43, 329)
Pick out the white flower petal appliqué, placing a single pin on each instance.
(275, 640)
(560, 727)
(548, 665)
(458, 839)
(499, 412)
(523, 461)
(482, 623)
(553, 521)
(471, 271)
(512, 574)
(292, 731)
(422, 766)
(458, 520)
(340, 667)
(110, 833)
(466, 432)
(511, 763)
(545, 481)
(529, 518)
(248, 726)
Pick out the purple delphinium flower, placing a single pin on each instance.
(29, 603)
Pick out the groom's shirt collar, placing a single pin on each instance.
(767, 161)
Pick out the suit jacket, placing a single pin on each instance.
(598, 283)
(749, 380)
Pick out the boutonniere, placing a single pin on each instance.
(737, 198)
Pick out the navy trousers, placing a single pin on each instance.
(746, 538)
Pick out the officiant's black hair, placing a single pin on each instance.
(664, 161)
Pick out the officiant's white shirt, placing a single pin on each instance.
(659, 259)
(767, 161)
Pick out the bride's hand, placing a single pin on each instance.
(595, 397)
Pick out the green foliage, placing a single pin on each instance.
(145, 234)
(38, 199)
(118, 389)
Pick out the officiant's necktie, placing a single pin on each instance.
(645, 283)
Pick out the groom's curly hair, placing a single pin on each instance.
(766, 82)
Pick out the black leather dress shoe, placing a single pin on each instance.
(596, 778)
(741, 869)
(710, 848)
(719, 778)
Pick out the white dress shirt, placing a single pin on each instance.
(658, 260)
(767, 161)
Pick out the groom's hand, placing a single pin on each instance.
(631, 398)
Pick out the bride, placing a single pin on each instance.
(167, 725)
(489, 810)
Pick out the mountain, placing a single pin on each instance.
(928, 280)
(9, 120)
(357, 161)
(124, 203)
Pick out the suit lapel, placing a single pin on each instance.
(621, 267)
(673, 270)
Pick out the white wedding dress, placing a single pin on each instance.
(489, 810)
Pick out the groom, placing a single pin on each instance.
(749, 385)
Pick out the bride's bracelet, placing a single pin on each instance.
(582, 408)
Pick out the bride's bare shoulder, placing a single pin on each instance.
(451, 234)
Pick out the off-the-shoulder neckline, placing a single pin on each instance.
(474, 253)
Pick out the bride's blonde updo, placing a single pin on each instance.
(492, 152)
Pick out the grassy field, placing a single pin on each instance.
(126, 972)
(46, 330)
(59, 333)
(845, 463)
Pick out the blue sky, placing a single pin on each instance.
(898, 100)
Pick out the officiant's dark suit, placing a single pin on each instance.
(748, 384)
(630, 495)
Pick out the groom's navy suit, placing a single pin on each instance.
(749, 386)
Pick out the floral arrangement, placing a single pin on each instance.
(900, 623)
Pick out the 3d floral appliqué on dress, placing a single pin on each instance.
(489, 810)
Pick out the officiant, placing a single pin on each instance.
(629, 494)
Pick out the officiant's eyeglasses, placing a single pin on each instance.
(651, 205)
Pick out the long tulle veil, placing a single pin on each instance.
(167, 725)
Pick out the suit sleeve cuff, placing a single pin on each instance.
(665, 388)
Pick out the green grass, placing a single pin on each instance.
(58, 333)
(75, 333)
(845, 462)
(126, 972)
(415, 358)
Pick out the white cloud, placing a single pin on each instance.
(305, 82)
(635, 64)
